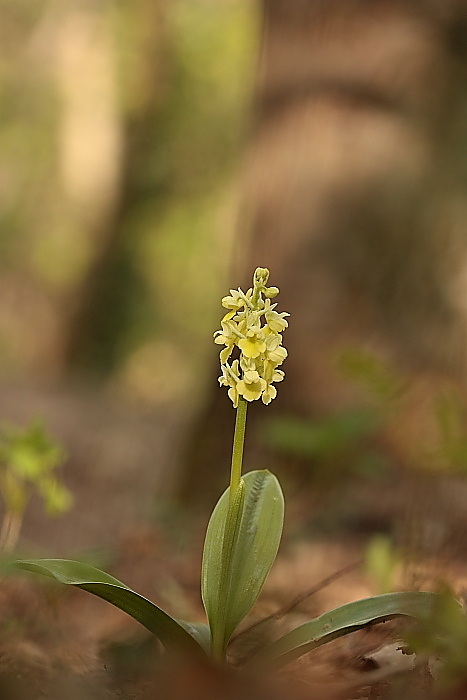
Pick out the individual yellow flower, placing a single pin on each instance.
(270, 373)
(275, 353)
(249, 363)
(235, 301)
(278, 375)
(278, 355)
(230, 378)
(253, 345)
(227, 336)
(251, 386)
(269, 394)
(276, 322)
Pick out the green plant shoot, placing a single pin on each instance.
(245, 528)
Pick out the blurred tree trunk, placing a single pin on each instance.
(101, 306)
(355, 183)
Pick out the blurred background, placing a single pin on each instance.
(122, 129)
(152, 154)
(121, 134)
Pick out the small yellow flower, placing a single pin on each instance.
(230, 378)
(275, 321)
(278, 375)
(269, 394)
(275, 353)
(251, 386)
(270, 373)
(253, 345)
(235, 301)
(278, 355)
(227, 336)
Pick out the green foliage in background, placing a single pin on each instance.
(442, 640)
(29, 459)
(381, 562)
(372, 373)
(349, 440)
(389, 394)
(321, 439)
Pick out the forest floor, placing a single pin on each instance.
(57, 642)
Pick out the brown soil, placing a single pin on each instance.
(57, 642)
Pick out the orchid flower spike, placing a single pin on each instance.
(251, 330)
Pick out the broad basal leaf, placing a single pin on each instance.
(343, 620)
(240, 547)
(174, 635)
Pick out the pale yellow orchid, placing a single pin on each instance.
(252, 327)
(251, 386)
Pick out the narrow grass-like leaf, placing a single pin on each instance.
(174, 635)
(240, 547)
(341, 621)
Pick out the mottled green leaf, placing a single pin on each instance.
(240, 547)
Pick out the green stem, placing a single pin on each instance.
(232, 524)
(237, 451)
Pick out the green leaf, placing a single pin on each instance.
(240, 547)
(229, 544)
(199, 631)
(174, 635)
(344, 620)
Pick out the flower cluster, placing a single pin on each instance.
(254, 327)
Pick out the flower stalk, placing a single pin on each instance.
(251, 328)
(237, 450)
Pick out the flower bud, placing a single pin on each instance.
(260, 277)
